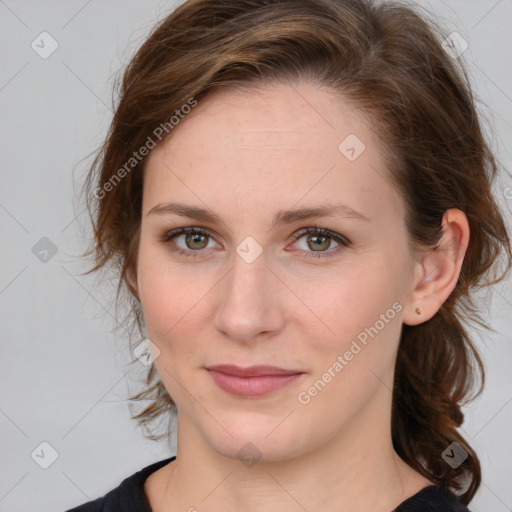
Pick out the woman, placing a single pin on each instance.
(298, 198)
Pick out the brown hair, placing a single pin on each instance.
(387, 60)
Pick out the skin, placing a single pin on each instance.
(245, 154)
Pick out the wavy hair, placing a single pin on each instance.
(387, 60)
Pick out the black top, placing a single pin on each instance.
(129, 497)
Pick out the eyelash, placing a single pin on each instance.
(344, 242)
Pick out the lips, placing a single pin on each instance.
(252, 381)
(252, 371)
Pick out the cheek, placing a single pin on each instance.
(353, 361)
(363, 317)
(353, 302)
(170, 305)
(166, 295)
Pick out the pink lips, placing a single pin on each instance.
(252, 381)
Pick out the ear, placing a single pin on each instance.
(131, 278)
(437, 270)
(132, 268)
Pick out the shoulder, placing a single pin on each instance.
(433, 498)
(128, 496)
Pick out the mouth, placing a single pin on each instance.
(253, 381)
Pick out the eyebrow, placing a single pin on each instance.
(281, 217)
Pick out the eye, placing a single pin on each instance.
(196, 239)
(320, 238)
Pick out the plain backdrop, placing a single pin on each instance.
(64, 374)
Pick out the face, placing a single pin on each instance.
(323, 307)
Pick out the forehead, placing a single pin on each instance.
(265, 116)
(278, 143)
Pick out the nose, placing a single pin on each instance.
(251, 305)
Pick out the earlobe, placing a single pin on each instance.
(438, 271)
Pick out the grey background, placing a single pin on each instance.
(64, 373)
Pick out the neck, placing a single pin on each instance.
(355, 470)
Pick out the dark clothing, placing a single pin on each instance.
(129, 497)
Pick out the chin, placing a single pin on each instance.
(256, 437)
